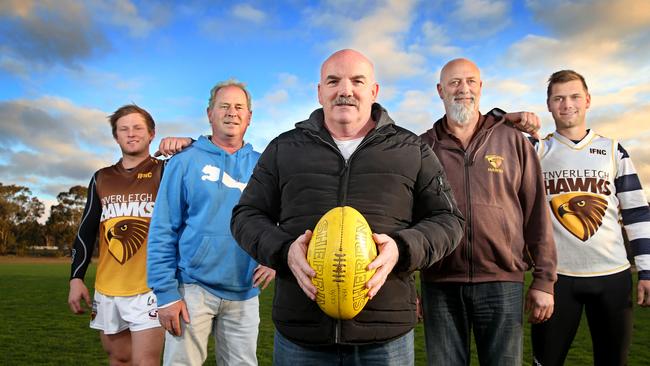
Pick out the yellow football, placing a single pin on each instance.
(340, 250)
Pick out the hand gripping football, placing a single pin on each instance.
(340, 250)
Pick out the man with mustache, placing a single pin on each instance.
(205, 283)
(348, 153)
(495, 176)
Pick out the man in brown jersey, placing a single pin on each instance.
(119, 207)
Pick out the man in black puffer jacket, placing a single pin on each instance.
(349, 153)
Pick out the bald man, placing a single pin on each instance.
(347, 153)
(495, 175)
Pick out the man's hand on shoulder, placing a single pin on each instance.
(643, 293)
(262, 275)
(540, 305)
(384, 263)
(527, 122)
(170, 317)
(171, 145)
(78, 291)
(297, 261)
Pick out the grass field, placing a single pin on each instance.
(38, 328)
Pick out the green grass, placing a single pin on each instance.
(37, 328)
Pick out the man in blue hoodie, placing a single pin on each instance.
(203, 280)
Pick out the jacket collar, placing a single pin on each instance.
(204, 143)
(439, 134)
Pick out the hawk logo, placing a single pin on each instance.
(126, 237)
(495, 162)
(580, 213)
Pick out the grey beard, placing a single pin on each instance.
(461, 113)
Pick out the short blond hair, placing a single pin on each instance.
(231, 82)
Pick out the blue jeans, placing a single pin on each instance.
(493, 309)
(398, 352)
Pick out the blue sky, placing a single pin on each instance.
(66, 65)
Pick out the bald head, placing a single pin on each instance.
(346, 90)
(460, 89)
(348, 57)
(459, 64)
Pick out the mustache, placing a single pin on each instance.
(342, 100)
(472, 97)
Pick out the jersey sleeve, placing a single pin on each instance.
(635, 212)
(84, 244)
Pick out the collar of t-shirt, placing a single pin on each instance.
(347, 147)
(578, 141)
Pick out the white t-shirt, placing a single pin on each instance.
(347, 147)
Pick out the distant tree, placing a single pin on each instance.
(19, 211)
(28, 234)
(61, 226)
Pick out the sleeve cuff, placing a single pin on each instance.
(543, 285)
(644, 275)
(166, 298)
(169, 304)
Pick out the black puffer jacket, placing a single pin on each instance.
(392, 178)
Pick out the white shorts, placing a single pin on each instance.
(113, 314)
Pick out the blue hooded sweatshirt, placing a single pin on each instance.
(189, 235)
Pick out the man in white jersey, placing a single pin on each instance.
(590, 182)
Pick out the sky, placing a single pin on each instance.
(66, 65)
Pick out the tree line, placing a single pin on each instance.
(20, 230)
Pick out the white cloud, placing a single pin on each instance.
(249, 13)
(480, 10)
(124, 13)
(51, 144)
(43, 33)
(418, 110)
(436, 41)
(555, 54)
(67, 32)
(602, 36)
(50, 139)
(481, 18)
(288, 80)
(629, 96)
(508, 87)
(182, 126)
(631, 124)
(276, 97)
(380, 35)
(387, 93)
(598, 18)
(20, 8)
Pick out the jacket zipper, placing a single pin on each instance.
(470, 156)
(343, 197)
